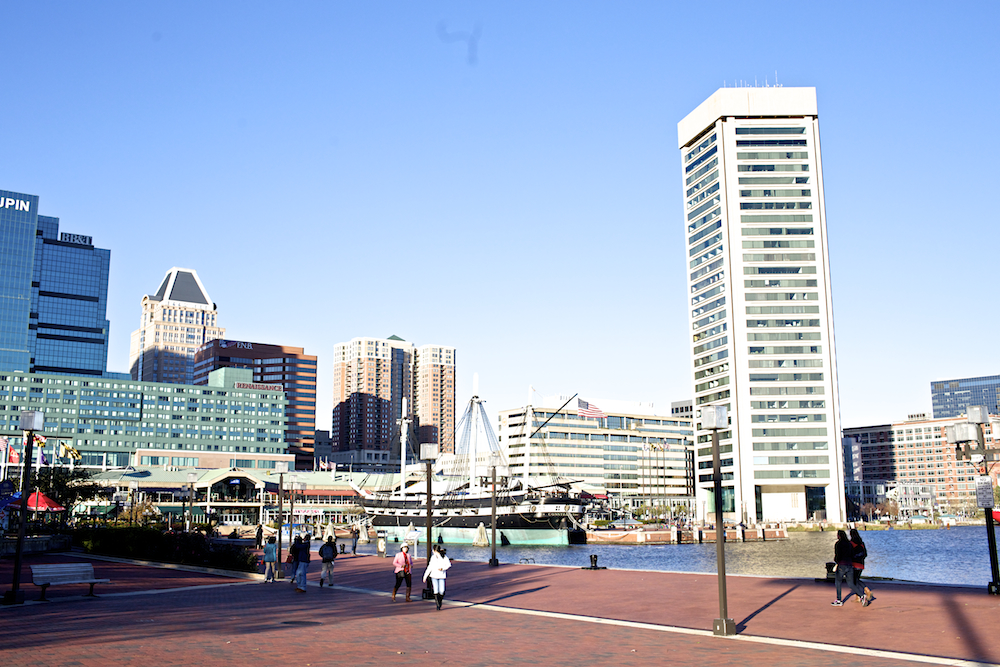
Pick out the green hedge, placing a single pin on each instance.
(167, 547)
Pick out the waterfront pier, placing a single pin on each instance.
(674, 535)
(507, 615)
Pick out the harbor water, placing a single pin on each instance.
(956, 556)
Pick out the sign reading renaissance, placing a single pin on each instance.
(259, 387)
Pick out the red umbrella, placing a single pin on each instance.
(39, 502)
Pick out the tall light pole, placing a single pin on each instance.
(429, 452)
(292, 480)
(494, 460)
(31, 421)
(971, 435)
(282, 468)
(133, 490)
(192, 478)
(713, 418)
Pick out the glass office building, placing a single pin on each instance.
(951, 398)
(53, 294)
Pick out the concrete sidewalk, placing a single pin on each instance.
(497, 616)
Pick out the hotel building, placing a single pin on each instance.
(289, 367)
(53, 296)
(760, 310)
(117, 423)
(631, 454)
(175, 322)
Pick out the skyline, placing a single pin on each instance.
(517, 197)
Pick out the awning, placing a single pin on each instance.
(39, 502)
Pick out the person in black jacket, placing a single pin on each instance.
(843, 554)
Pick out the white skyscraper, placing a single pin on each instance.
(761, 310)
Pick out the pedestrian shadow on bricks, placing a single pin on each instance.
(742, 625)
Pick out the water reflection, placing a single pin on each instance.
(956, 556)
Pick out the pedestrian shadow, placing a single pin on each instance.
(510, 595)
(742, 625)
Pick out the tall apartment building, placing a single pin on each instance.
(177, 320)
(434, 396)
(760, 303)
(289, 367)
(111, 421)
(631, 454)
(916, 452)
(53, 295)
(950, 398)
(371, 377)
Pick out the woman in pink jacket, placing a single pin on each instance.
(403, 563)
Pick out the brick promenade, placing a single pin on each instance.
(513, 614)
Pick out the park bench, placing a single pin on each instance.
(55, 574)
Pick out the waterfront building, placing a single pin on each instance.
(108, 421)
(760, 309)
(434, 396)
(233, 495)
(177, 320)
(915, 452)
(289, 367)
(53, 298)
(950, 398)
(622, 450)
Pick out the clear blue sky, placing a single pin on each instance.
(335, 170)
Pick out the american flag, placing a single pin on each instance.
(585, 409)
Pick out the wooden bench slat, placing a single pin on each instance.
(54, 574)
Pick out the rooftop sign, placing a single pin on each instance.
(259, 387)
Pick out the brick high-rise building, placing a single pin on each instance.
(434, 396)
(372, 376)
(290, 367)
(176, 321)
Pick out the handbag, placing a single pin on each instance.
(290, 558)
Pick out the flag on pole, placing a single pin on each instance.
(13, 456)
(69, 451)
(585, 409)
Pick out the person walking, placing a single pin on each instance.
(328, 553)
(293, 560)
(270, 560)
(860, 553)
(843, 554)
(259, 536)
(355, 534)
(403, 564)
(437, 568)
(303, 566)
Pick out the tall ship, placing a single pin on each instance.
(462, 495)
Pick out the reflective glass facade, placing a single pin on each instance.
(950, 398)
(53, 294)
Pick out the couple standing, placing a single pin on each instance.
(437, 569)
(850, 556)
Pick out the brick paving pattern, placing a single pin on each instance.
(199, 621)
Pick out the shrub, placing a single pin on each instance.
(169, 547)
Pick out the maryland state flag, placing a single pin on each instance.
(69, 451)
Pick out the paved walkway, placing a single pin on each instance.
(493, 616)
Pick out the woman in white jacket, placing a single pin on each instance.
(437, 568)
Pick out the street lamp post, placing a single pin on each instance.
(133, 491)
(31, 421)
(494, 460)
(192, 478)
(282, 467)
(714, 417)
(429, 452)
(972, 433)
(292, 485)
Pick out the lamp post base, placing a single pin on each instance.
(724, 627)
(992, 588)
(494, 562)
(11, 597)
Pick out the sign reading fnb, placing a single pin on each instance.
(259, 387)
